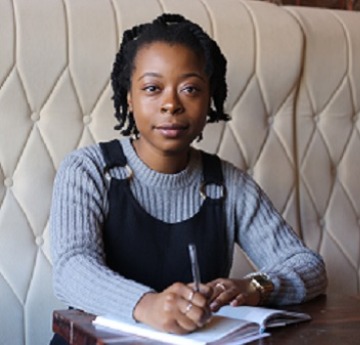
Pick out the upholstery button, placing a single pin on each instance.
(8, 182)
(35, 117)
(321, 222)
(270, 120)
(39, 241)
(355, 118)
(87, 119)
(316, 118)
(249, 171)
(335, 172)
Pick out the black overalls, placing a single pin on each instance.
(152, 252)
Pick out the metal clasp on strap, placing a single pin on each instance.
(203, 189)
(128, 169)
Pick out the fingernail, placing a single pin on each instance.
(214, 305)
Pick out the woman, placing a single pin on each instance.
(124, 211)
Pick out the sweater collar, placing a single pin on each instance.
(155, 179)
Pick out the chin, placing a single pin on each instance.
(176, 146)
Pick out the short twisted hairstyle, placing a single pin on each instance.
(172, 29)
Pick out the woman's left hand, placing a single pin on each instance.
(234, 292)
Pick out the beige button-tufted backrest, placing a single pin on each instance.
(294, 98)
(328, 142)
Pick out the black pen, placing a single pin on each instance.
(194, 266)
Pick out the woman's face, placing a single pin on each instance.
(169, 96)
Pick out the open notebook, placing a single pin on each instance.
(231, 325)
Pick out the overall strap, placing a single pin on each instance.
(212, 171)
(113, 154)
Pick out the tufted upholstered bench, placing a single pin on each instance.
(294, 96)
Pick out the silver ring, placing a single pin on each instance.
(191, 296)
(188, 308)
(221, 286)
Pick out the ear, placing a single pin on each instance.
(129, 101)
(209, 105)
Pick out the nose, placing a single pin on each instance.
(171, 103)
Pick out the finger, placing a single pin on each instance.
(179, 327)
(199, 316)
(183, 296)
(176, 314)
(191, 295)
(187, 325)
(220, 287)
(205, 290)
(187, 319)
(188, 308)
(183, 291)
(196, 298)
(224, 297)
(238, 300)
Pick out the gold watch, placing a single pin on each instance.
(262, 283)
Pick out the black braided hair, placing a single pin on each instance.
(173, 29)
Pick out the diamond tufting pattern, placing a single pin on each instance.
(294, 98)
(329, 143)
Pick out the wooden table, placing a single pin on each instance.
(336, 321)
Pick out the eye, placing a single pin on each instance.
(191, 90)
(150, 88)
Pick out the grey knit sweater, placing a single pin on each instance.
(79, 208)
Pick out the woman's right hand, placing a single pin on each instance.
(177, 309)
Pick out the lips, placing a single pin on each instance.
(172, 130)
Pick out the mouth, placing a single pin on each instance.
(172, 130)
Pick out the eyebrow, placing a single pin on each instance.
(184, 76)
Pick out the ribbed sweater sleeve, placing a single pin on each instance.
(297, 272)
(79, 208)
(81, 278)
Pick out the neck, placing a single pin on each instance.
(162, 162)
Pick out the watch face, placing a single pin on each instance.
(266, 284)
(262, 279)
(263, 285)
